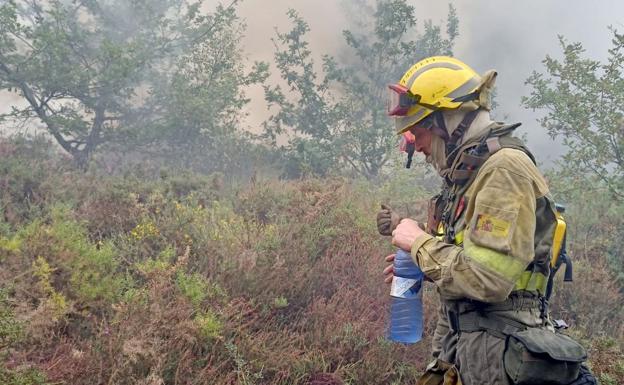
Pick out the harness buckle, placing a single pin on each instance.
(493, 144)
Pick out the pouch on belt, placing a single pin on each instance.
(541, 357)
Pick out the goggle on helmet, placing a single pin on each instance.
(432, 84)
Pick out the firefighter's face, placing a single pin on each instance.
(422, 139)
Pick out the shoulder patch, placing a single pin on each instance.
(496, 227)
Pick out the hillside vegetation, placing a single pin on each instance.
(162, 234)
(156, 278)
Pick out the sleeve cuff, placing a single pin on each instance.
(419, 242)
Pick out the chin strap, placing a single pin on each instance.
(458, 134)
(410, 148)
(438, 127)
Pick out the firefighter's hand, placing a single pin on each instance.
(389, 270)
(387, 220)
(406, 233)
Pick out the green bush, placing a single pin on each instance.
(11, 330)
(26, 376)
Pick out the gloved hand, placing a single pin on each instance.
(387, 220)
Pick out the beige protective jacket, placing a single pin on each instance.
(504, 234)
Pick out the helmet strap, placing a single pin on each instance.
(458, 133)
(410, 149)
(439, 126)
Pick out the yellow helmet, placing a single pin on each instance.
(435, 83)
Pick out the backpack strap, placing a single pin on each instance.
(458, 133)
(466, 166)
(472, 155)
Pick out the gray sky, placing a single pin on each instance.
(515, 36)
(511, 36)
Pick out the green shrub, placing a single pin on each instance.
(209, 325)
(11, 330)
(194, 287)
(25, 376)
(84, 271)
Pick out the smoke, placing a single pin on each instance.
(8, 99)
(263, 18)
(513, 37)
(510, 36)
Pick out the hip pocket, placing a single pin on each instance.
(539, 356)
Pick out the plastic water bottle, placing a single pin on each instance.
(406, 313)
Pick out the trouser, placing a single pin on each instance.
(477, 355)
(469, 341)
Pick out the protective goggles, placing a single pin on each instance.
(400, 100)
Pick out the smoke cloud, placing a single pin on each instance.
(510, 36)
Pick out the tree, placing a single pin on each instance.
(85, 67)
(313, 115)
(583, 101)
(338, 117)
(197, 109)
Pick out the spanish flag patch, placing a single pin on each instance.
(494, 226)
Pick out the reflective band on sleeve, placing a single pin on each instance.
(532, 281)
(509, 267)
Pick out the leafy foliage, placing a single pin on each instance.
(114, 72)
(337, 117)
(583, 100)
(200, 105)
(583, 104)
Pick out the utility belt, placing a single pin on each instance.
(533, 354)
(471, 316)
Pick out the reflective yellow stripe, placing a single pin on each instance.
(459, 238)
(532, 281)
(503, 264)
(538, 282)
(414, 72)
(523, 282)
(440, 231)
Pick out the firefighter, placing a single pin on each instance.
(487, 242)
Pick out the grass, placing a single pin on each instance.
(126, 280)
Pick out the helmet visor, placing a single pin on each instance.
(399, 100)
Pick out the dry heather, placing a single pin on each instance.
(125, 280)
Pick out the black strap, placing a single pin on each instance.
(471, 316)
(411, 147)
(563, 259)
(491, 323)
(468, 97)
